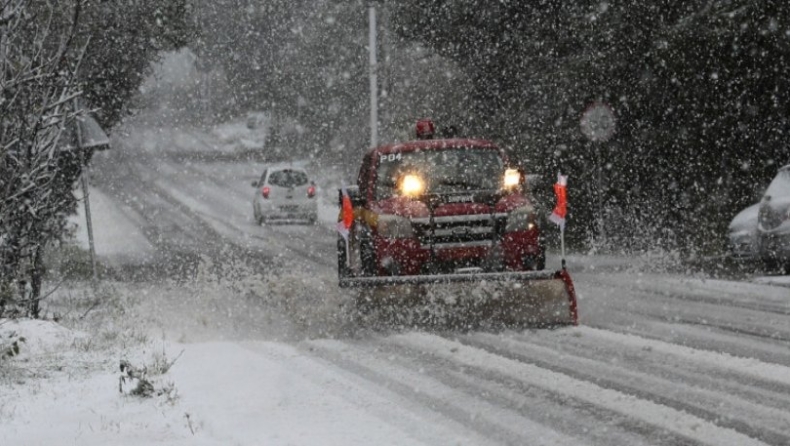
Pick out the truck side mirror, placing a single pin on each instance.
(353, 193)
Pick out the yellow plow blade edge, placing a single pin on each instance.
(530, 297)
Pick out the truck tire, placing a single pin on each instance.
(535, 263)
(368, 259)
(363, 303)
(343, 270)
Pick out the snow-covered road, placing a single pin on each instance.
(657, 359)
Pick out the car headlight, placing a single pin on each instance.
(393, 226)
(521, 219)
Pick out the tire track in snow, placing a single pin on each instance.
(697, 336)
(645, 359)
(314, 304)
(628, 374)
(657, 306)
(205, 203)
(663, 417)
(533, 410)
(746, 366)
(717, 293)
(421, 422)
(492, 421)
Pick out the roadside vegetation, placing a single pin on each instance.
(51, 56)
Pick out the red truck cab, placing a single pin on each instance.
(439, 206)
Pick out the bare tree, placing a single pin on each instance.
(38, 66)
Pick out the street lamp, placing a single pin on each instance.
(373, 77)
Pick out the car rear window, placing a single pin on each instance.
(288, 178)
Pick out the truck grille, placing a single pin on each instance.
(460, 231)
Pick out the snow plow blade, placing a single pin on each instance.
(531, 297)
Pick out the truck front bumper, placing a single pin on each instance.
(514, 251)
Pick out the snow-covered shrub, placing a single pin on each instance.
(10, 345)
(146, 381)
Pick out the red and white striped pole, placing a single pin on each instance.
(561, 209)
(346, 220)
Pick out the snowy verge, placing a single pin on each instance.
(117, 232)
(70, 394)
(63, 384)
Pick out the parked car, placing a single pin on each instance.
(773, 222)
(743, 233)
(285, 193)
(257, 120)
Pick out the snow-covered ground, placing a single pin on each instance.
(223, 393)
(263, 348)
(116, 231)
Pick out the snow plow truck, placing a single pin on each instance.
(448, 220)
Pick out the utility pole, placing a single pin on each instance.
(88, 136)
(373, 78)
(86, 201)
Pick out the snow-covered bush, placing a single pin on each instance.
(146, 381)
(10, 345)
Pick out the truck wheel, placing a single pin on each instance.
(364, 303)
(342, 265)
(368, 259)
(535, 263)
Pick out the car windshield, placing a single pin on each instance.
(451, 170)
(288, 178)
(780, 186)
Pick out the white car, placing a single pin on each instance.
(743, 233)
(773, 227)
(285, 193)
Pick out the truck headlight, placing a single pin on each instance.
(412, 185)
(521, 219)
(393, 226)
(511, 179)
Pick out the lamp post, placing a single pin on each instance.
(373, 77)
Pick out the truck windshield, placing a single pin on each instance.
(450, 170)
